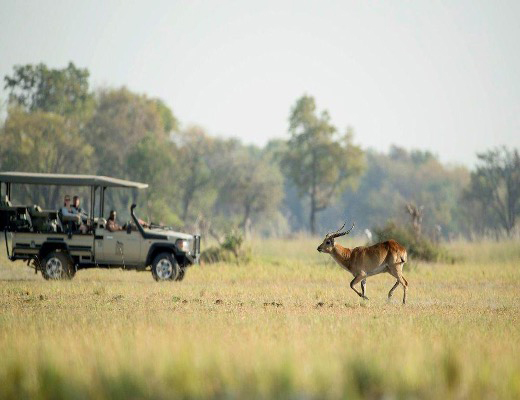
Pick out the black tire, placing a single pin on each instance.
(57, 266)
(165, 267)
(182, 273)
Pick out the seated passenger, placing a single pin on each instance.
(112, 225)
(66, 210)
(77, 209)
(71, 216)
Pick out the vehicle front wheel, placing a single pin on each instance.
(165, 267)
(57, 265)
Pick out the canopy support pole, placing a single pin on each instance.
(102, 205)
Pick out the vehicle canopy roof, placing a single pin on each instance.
(34, 178)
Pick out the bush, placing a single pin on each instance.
(229, 250)
(420, 248)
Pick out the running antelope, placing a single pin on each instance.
(363, 262)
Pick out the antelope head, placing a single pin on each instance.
(328, 243)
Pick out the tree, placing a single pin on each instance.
(495, 184)
(120, 121)
(170, 123)
(195, 180)
(395, 178)
(252, 187)
(416, 214)
(151, 161)
(43, 142)
(123, 128)
(61, 91)
(320, 161)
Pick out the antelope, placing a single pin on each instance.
(363, 262)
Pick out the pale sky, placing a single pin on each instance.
(442, 76)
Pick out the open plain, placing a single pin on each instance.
(285, 325)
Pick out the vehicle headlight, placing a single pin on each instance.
(183, 244)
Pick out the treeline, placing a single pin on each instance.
(313, 181)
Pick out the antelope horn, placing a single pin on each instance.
(335, 235)
(331, 234)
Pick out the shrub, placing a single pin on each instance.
(420, 248)
(230, 249)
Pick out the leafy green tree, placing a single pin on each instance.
(250, 185)
(320, 161)
(170, 122)
(43, 142)
(151, 161)
(61, 91)
(398, 177)
(120, 121)
(196, 180)
(123, 127)
(495, 184)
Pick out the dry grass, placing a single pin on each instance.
(284, 326)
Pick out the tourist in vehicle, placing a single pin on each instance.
(112, 225)
(66, 210)
(70, 214)
(77, 209)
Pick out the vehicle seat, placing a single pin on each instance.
(70, 223)
(20, 220)
(36, 211)
(4, 202)
(100, 223)
(59, 227)
(41, 220)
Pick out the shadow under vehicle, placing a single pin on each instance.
(53, 244)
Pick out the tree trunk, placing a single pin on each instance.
(313, 195)
(246, 222)
(313, 213)
(185, 209)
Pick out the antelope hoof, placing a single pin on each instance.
(365, 298)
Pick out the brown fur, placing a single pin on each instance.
(363, 261)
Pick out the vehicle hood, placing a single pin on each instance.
(171, 234)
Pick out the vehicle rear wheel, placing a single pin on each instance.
(57, 265)
(165, 267)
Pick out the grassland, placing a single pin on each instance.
(284, 326)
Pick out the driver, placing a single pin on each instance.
(112, 225)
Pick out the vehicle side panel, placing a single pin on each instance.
(28, 243)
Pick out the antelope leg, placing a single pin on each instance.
(355, 281)
(393, 288)
(405, 286)
(396, 270)
(364, 286)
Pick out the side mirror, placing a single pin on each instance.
(129, 228)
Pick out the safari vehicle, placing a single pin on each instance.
(53, 245)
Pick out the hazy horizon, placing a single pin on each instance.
(437, 77)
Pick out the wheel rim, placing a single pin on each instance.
(54, 268)
(164, 269)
